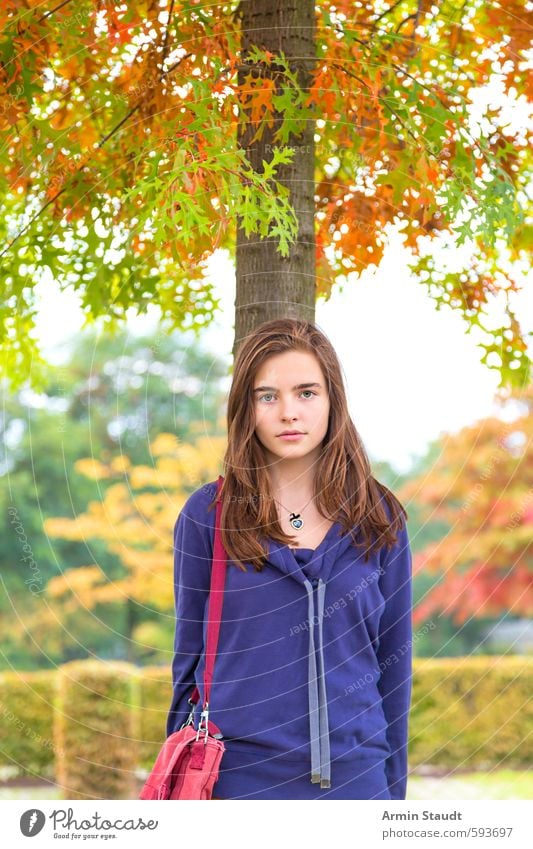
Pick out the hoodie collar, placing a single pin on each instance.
(321, 562)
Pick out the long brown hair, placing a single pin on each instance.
(344, 488)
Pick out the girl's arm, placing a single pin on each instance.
(395, 658)
(192, 576)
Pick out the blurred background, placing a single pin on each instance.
(95, 470)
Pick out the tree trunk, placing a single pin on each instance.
(269, 285)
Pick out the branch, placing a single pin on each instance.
(102, 141)
(340, 30)
(415, 80)
(386, 12)
(117, 126)
(165, 42)
(350, 73)
(405, 20)
(406, 128)
(475, 142)
(460, 15)
(60, 192)
(52, 11)
(413, 37)
(175, 65)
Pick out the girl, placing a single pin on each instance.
(312, 679)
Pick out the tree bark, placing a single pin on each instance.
(269, 285)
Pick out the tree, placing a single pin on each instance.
(112, 396)
(481, 486)
(127, 389)
(138, 138)
(135, 520)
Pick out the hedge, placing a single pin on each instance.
(26, 720)
(471, 712)
(155, 698)
(96, 728)
(101, 724)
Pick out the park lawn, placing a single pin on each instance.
(499, 784)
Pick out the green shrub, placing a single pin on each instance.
(471, 711)
(96, 729)
(26, 719)
(155, 687)
(102, 721)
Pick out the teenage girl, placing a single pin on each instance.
(312, 678)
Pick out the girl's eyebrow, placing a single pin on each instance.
(298, 386)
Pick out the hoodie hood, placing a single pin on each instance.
(322, 561)
(314, 580)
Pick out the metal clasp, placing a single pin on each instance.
(203, 723)
(190, 720)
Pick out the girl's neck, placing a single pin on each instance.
(293, 479)
(295, 487)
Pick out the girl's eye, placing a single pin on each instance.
(270, 394)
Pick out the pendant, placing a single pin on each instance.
(296, 521)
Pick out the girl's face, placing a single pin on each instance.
(282, 404)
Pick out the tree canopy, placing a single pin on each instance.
(121, 172)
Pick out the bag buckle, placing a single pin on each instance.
(203, 723)
(190, 719)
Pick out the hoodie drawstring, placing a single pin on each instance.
(318, 705)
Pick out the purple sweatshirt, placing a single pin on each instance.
(314, 657)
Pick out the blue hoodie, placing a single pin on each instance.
(312, 677)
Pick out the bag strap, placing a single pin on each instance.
(214, 613)
(216, 597)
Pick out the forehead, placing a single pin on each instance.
(282, 370)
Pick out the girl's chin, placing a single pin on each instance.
(288, 451)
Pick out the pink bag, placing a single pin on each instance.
(187, 766)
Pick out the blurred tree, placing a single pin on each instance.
(129, 388)
(94, 400)
(481, 486)
(135, 519)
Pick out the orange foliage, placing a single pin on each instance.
(135, 519)
(120, 91)
(481, 486)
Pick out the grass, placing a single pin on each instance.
(499, 784)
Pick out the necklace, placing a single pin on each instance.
(295, 519)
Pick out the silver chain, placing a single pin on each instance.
(295, 519)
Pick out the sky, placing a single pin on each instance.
(412, 373)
